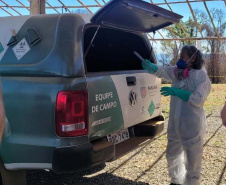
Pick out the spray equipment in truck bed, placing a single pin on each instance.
(143, 60)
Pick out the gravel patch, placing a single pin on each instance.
(147, 164)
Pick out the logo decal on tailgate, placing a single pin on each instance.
(132, 98)
(143, 91)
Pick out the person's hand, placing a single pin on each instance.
(223, 115)
(152, 68)
(173, 91)
(167, 91)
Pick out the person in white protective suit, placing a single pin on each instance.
(187, 121)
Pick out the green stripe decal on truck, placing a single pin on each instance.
(105, 114)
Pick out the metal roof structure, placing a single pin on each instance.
(19, 7)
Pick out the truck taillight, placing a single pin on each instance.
(71, 113)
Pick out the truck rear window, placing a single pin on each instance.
(112, 50)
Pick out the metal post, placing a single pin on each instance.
(37, 7)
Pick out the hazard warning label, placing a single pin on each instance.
(21, 49)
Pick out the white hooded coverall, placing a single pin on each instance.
(186, 127)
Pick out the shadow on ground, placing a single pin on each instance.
(41, 177)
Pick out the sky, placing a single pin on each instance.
(181, 8)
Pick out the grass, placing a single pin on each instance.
(215, 100)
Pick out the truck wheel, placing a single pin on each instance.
(14, 177)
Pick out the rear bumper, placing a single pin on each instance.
(75, 158)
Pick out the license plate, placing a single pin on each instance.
(119, 136)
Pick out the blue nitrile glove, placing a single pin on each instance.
(147, 65)
(173, 91)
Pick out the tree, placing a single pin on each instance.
(215, 47)
(181, 30)
(164, 60)
(80, 11)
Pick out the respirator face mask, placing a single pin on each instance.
(181, 72)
